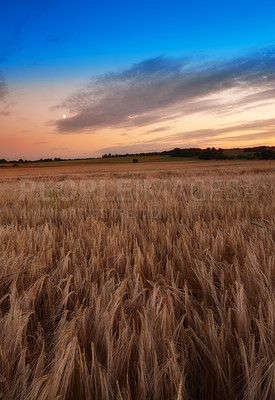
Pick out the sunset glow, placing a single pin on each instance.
(185, 77)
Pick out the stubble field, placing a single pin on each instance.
(149, 281)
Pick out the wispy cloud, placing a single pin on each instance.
(3, 87)
(5, 103)
(156, 130)
(8, 48)
(163, 89)
(56, 39)
(13, 44)
(41, 4)
(258, 131)
(18, 28)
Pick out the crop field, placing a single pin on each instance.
(138, 281)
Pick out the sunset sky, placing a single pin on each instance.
(83, 78)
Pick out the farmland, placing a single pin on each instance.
(139, 281)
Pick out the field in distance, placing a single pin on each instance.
(107, 160)
(124, 164)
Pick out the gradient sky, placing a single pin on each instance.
(135, 76)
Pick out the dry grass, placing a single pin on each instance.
(138, 285)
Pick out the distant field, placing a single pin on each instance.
(111, 160)
(123, 164)
(114, 160)
(138, 281)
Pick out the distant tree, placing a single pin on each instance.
(250, 156)
(241, 157)
(221, 156)
(192, 152)
(267, 155)
(206, 154)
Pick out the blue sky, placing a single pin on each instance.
(64, 34)
(59, 47)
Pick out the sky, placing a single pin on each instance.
(80, 79)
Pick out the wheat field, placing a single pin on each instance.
(138, 284)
